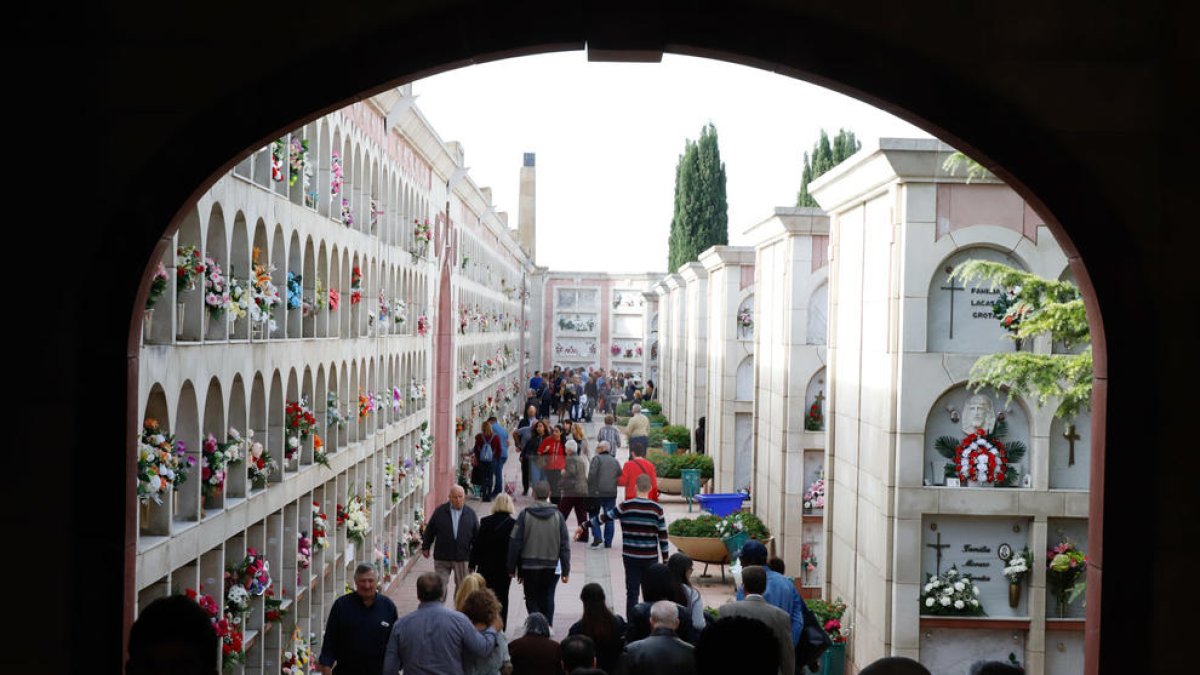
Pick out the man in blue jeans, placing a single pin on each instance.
(603, 474)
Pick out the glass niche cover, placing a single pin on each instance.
(584, 299)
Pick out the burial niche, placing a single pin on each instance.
(977, 439)
(963, 318)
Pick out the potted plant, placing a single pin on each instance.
(833, 661)
(1016, 569)
(669, 469)
(1066, 574)
(702, 537)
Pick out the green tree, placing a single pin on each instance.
(1032, 306)
(701, 217)
(825, 155)
(958, 160)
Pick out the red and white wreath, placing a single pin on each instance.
(981, 458)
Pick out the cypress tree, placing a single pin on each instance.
(825, 156)
(701, 217)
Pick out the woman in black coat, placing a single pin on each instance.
(602, 626)
(490, 553)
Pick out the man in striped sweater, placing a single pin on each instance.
(643, 536)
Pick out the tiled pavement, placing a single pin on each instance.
(602, 566)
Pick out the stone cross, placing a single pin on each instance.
(1071, 437)
(938, 549)
(952, 288)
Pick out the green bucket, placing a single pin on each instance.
(670, 447)
(733, 543)
(690, 481)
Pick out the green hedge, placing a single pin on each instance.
(662, 419)
(656, 437)
(706, 526)
(672, 466)
(624, 409)
(652, 408)
(679, 435)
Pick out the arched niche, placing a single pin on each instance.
(275, 437)
(320, 406)
(1071, 452)
(292, 308)
(960, 317)
(743, 321)
(353, 422)
(744, 380)
(321, 278)
(818, 315)
(155, 519)
(321, 188)
(235, 479)
(279, 278)
(217, 258)
(239, 268)
(950, 415)
(332, 433)
(308, 310)
(189, 299)
(306, 395)
(186, 504)
(333, 314)
(258, 414)
(292, 395)
(815, 393)
(212, 495)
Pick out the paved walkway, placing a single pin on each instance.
(602, 566)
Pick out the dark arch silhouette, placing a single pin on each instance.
(1073, 104)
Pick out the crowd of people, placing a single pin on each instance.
(664, 629)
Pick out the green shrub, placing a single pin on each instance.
(706, 526)
(624, 409)
(679, 435)
(672, 466)
(661, 419)
(652, 408)
(656, 437)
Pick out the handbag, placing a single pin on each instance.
(813, 640)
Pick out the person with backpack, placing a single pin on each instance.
(487, 451)
(638, 466)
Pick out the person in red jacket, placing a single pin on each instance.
(635, 467)
(554, 457)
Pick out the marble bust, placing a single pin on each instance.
(978, 413)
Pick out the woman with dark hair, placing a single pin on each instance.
(535, 653)
(482, 608)
(530, 452)
(553, 455)
(606, 629)
(681, 566)
(659, 583)
(490, 552)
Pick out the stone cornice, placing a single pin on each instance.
(692, 272)
(789, 221)
(673, 282)
(719, 256)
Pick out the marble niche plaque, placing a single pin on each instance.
(1071, 452)
(974, 545)
(953, 650)
(951, 415)
(960, 316)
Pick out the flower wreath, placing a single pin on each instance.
(980, 458)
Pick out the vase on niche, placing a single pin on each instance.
(258, 330)
(147, 324)
(1014, 594)
(180, 315)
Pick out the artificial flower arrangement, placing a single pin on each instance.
(357, 519)
(252, 574)
(298, 660)
(229, 634)
(263, 292)
(295, 291)
(745, 319)
(335, 174)
(808, 559)
(830, 615)
(952, 593)
(300, 423)
(380, 400)
(347, 213)
(304, 551)
(422, 325)
(399, 311)
(466, 261)
(320, 296)
(162, 463)
(814, 419)
(397, 400)
(319, 455)
(639, 350)
(335, 417)
(1066, 573)
(814, 496)
(364, 405)
(320, 528)
(615, 349)
(239, 300)
(298, 162)
(422, 238)
(982, 457)
(278, 149)
(424, 446)
(356, 278)
(375, 213)
(389, 479)
(1015, 570)
(335, 299)
(273, 611)
(216, 292)
(214, 460)
(189, 267)
(158, 285)
(260, 465)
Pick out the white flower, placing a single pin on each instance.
(975, 590)
(293, 441)
(155, 483)
(945, 601)
(929, 602)
(958, 604)
(974, 603)
(958, 586)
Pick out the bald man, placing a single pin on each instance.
(451, 532)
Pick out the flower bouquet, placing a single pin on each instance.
(261, 465)
(319, 455)
(422, 238)
(615, 349)
(297, 660)
(356, 278)
(158, 285)
(298, 162)
(320, 528)
(263, 293)
(830, 615)
(347, 213)
(295, 291)
(189, 267)
(745, 320)
(228, 633)
(304, 550)
(214, 459)
(252, 574)
(952, 594)
(335, 299)
(273, 607)
(808, 559)
(365, 406)
(422, 325)
(162, 463)
(335, 174)
(1066, 573)
(814, 419)
(357, 519)
(216, 292)
(1015, 570)
(334, 416)
(814, 496)
(239, 300)
(277, 152)
(300, 424)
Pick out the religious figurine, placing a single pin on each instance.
(978, 413)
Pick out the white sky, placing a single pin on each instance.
(608, 137)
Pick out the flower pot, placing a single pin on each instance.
(670, 486)
(833, 661)
(709, 550)
(1014, 594)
